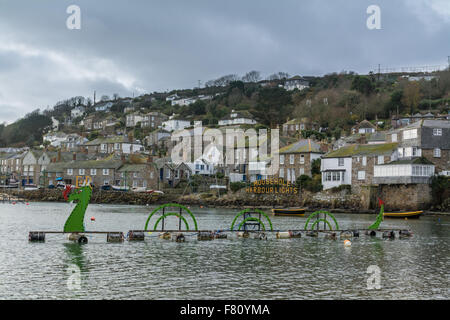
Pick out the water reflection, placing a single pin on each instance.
(306, 268)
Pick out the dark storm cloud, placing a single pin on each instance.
(143, 46)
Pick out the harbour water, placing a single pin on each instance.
(306, 268)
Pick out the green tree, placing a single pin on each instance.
(274, 106)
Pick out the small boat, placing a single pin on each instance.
(411, 215)
(296, 212)
(120, 188)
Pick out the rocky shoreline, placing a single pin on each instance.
(337, 203)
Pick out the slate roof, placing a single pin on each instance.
(302, 146)
(363, 150)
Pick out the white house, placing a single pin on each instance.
(184, 101)
(175, 124)
(201, 166)
(77, 111)
(172, 97)
(336, 171)
(237, 118)
(103, 106)
(133, 118)
(296, 82)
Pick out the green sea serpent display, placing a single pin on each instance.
(380, 216)
(171, 205)
(75, 222)
(326, 213)
(252, 210)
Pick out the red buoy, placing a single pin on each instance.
(92, 218)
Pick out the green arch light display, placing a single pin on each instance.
(171, 205)
(251, 210)
(168, 214)
(252, 219)
(322, 220)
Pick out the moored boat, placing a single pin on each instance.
(299, 212)
(413, 214)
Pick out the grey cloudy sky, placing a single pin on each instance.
(139, 46)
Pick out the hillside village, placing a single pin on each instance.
(373, 136)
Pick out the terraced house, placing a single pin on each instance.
(143, 175)
(119, 144)
(102, 172)
(354, 165)
(425, 138)
(296, 159)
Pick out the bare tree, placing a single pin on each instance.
(252, 76)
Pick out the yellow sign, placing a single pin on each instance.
(83, 181)
(272, 186)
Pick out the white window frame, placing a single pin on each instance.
(93, 172)
(106, 172)
(410, 134)
(291, 159)
(281, 173)
(394, 137)
(81, 172)
(341, 162)
(282, 159)
(437, 132)
(361, 175)
(380, 159)
(437, 153)
(302, 159)
(70, 172)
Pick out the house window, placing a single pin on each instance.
(302, 159)
(437, 153)
(144, 183)
(135, 174)
(151, 175)
(394, 137)
(341, 162)
(105, 182)
(364, 161)
(105, 172)
(409, 134)
(282, 159)
(70, 172)
(328, 176)
(135, 183)
(81, 172)
(302, 171)
(93, 172)
(437, 132)
(415, 152)
(361, 175)
(291, 159)
(103, 146)
(380, 159)
(336, 176)
(281, 173)
(293, 177)
(117, 146)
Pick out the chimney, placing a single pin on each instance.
(74, 156)
(58, 159)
